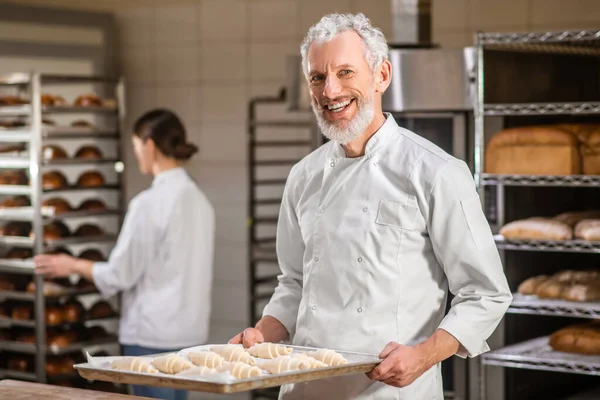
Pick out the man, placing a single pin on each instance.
(374, 227)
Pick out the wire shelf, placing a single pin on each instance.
(27, 296)
(533, 305)
(542, 109)
(539, 37)
(541, 180)
(536, 354)
(30, 348)
(562, 246)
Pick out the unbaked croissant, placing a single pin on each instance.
(269, 350)
(171, 364)
(233, 353)
(284, 364)
(240, 370)
(206, 359)
(202, 370)
(312, 362)
(135, 364)
(329, 357)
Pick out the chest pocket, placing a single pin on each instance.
(395, 214)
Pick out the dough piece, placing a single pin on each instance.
(135, 364)
(551, 289)
(171, 364)
(582, 292)
(580, 339)
(529, 286)
(329, 357)
(202, 370)
(234, 353)
(240, 370)
(588, 229)
(206, 359)
(282, 364)
(537, 228)
(534, 150)
(269, 350)
(312, 362)
(572, 218)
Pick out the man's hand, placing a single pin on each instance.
(248, 338)
(55, 266)
(401, 366)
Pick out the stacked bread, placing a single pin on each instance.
(566, 285)
(583, 225)
(562, 149)
(580, 339)
(236, 360)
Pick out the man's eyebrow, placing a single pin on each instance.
(343, 66)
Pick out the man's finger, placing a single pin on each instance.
(383, 370)
(250, 338)
(237, 339)
(391, 346)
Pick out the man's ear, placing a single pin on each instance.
(383, 77)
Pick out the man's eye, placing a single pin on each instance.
(317, 78)
(345, 72)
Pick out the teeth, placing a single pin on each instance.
(338, 106)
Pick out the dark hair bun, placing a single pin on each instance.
(184, 151)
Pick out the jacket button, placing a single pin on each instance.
(359, 309)
(365, 209)
(316, 259)
(332, 164)
(313, 308)
(359, 259)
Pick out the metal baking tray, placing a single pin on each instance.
(98, 368)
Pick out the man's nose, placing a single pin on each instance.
(332, 88)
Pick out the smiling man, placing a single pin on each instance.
(375, 228)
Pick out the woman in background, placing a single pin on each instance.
(162, 261)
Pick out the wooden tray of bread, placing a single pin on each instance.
(228, 368)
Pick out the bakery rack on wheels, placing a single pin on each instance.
(29, 125)
(277, 139)
(534, 79)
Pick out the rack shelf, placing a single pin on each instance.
(26, 214)
(538, 37)
(541, 109)
(536, 354)
(30, 348)
(30, 323)
(28, 242)
(532, 305)
(26, 296)
(21, 78)
(541, 180)
(563, 246)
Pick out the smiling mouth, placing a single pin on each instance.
(338, 107)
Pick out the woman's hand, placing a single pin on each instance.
(55, 266)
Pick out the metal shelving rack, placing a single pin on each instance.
(34, 134)
(535, 354)
(267, 179)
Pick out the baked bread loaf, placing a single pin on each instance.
(196, 371)
(96, 332)
(82, 123)
(283, 364)
(533, 150)
(171, 364)
(54, 230)
(91, 179)
(60, 205)
(53, 152)
(590, 153)
(234, 353)
(89, 230)
(19, 362)
(13, 177)
(50, 100)
(551, 289)
(19, 253)
(15, 229)
(22, 312)
(529, 286)
(537, 228)
(89, 152)
(50, 288)
(73, 311)
(572, 218)
(582, 292)
(135, 364)
(88, 100)
(576, 276)
(92, 255)
(240, 370)
(54, 315)
(580, 339)
(206, 359)
(54, 180)
(329, 357)
(7, 100)
(269, 350)
(17, 201)
(93, 205)
(588, 229)
(101, 309)
(14, 149)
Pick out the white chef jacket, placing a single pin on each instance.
(368, 248)
(162, 264)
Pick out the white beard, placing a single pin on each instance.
(355, 127)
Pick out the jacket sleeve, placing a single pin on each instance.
(464, 247)
(285, 302)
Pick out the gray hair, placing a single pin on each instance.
(333, 24)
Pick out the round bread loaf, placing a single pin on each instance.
(19, 253)
(580, 339)
(15, 229)
(88, 100)
(17, 201)
(22, 312)
(54, 180)
(54, 315)
(89, 152)
(73, 311)
(54, 230)
(92, 255)
(53, 152)
(93, 205)
(89, 230)
(101, 309)
(60, 205)
(91, 179)
(13, 177)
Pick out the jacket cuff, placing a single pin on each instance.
(282, 314)
(471, 344)
(99, 272)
